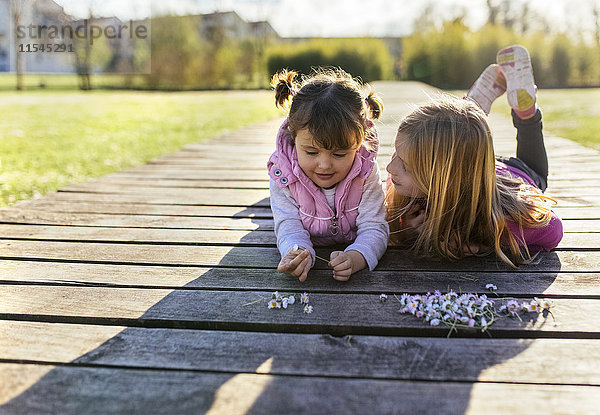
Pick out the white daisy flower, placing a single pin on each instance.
(491, 287)
(532, 306)
(512, 306)
(304, 298)
(383, 298)
(291, 299)
(284, 302)
(308, 309)
(404, 299)
(412, 306)
(274, 304)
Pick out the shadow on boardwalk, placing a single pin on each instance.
(202, 349)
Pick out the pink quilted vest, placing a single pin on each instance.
(324, 226)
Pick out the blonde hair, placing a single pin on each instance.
(450, 155)
(329, 103)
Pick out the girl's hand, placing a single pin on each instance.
(467, 250)
(296, 263)
(414, 218)
(344, 264)
(411, 224)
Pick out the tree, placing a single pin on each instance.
(561, 63)
(17, 8)
(176, 53)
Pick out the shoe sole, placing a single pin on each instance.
(520, 85)
(489, 86)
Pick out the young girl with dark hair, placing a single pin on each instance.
(324, 180)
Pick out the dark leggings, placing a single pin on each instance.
(531, 152)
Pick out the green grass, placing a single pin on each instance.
(50, 139)
(572, 114)
(568, 113)
(35, 81)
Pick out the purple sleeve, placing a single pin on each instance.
(539, 239)
(536, 239)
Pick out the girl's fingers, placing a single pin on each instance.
(471, 249)
(342, 275)
(299, 258)
(346, 264)
(337, 258)
(306, 267)
(283, 266)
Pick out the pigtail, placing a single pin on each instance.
(284, 86)
(375, 105)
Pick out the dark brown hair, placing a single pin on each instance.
(329, 103)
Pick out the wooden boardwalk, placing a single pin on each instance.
(146, 291)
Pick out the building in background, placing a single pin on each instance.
(46, 13)
(39, 13)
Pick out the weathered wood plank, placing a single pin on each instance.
(52, 205)
(167, 172)
(335, 314)
(70, 390)
(155, 171)
(564, 187)
(23, 216)
(215, 194)
(110, 234)
(536, 284)
(121, 185)
(570, 241)
(62, 206)
(268, 257)
(223, 197)
(556, 361)
(44, 217)
(258, 169)
(99, 184)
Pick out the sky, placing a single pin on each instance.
(331, 18)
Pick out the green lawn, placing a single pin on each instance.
(568, 113)
(35, 81)
(573, 114)
(49, 139)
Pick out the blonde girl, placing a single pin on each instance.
(449, 197)
(324, 181)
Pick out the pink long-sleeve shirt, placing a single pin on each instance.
(536, 239)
